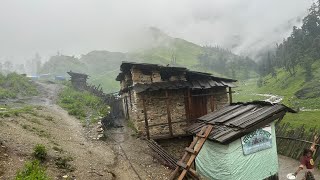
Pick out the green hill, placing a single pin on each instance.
(295, 91)
(292, 70)
(103, 66)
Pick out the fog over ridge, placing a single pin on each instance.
(77, 27)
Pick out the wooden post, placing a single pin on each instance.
(186, 105)
(127, 107)
(212, 103)
(169, 113)
(145, 117)
(230, 95)
(130, 98)
(190, 104)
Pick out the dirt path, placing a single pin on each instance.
(121, 156)
(289, 165)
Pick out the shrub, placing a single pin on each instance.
(31, 171)
(40, 152)
(63, 163)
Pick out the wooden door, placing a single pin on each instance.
(198, 107)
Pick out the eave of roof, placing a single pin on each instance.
(72, 74)
(236, 120)
(169, 85)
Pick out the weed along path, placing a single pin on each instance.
(72, 151)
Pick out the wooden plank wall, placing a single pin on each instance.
(292, 141)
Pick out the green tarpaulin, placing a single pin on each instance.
(227, 162)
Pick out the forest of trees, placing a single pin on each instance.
(301, 48)
(226, 63)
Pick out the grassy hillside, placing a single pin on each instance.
(295, 91)
(14, 85)
(184, 52)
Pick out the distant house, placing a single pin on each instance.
(162, 100)
(78, 80)
(242, 144)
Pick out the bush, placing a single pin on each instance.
(31, 171)
(63, 163)
(40, 152)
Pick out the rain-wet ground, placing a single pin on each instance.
(288, 165)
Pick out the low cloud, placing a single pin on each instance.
(76, 27)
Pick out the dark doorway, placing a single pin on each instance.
(198, 105)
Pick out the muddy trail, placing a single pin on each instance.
(119, 156)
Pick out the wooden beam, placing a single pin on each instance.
(189, 104)
(169, 113)
(295, 139)
(186, 105)
(166, 124)
(127, 107)
(212, 103)
(230, 95)
(130, 98)
(212, 94)
(145, 117)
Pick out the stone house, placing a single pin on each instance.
(161, 101)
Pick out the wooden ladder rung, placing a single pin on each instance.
(201, 135)
(182, 164)
(190, 150)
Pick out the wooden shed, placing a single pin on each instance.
(242, 144)
(161, 100)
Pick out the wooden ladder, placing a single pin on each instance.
(192, 152)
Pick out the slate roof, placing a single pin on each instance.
(77, 75)
(238, 119)
(193, 84)
(195, 80)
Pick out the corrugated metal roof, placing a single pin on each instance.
(236, 120)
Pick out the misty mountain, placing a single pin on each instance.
(60, 64)
(103, 66)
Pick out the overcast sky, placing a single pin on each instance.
(76, 27)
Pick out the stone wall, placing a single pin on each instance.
(139, 77)
(220, 100)
(156, 108)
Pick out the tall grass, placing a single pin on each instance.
(31, 171)
(82, 103)
(14, 85)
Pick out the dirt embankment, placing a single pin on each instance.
(120, 156)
